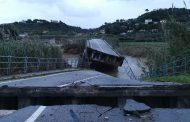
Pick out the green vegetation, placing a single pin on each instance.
(178, 79)
(156, 53)
(122, 26)
(161, 45)
(10, 46)
(44, 27)
(28, 48)
(179, 39)
(8, 31)
(180, 14)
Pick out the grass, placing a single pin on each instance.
(144, 44)
(185, 78)
(28, 48)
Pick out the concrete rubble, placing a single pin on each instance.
(133, 106)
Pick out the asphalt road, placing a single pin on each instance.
(102, 46)
(83, 77)
(93, 113)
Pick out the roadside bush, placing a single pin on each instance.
(179, 39)
(29, 49)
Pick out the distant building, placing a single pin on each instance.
(44, 31)
(123, 34)
(130, 31)
(23, 21)
(154, 30)
(147, 21)
(49, 41)
(137, 24)
(54, 21)
(163, 21)
(155, 23)
(102, 31)
(142, 30)
(23, 35)
(40, 22)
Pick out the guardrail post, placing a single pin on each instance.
(9, 65)
(38, 65)
(25, 64)
(155, 73)
(150, 72)
(174, 67)
(166, 70)
(63, 64)
(47, 68)
(57, 63)
(185, 61)
(160, 71)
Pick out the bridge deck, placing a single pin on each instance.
(102, 46)
(85, 77)
(87, 83)
(87, 113)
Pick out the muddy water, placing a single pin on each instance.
(137, 65)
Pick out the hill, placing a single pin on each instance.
(44, 27)
(148, 22)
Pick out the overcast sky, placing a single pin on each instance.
(83, 13)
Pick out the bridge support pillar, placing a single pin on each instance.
(23, 102)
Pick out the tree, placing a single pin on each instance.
(179, 39)
(1, 35)
(146, 10)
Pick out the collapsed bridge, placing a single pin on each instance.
(99, 53)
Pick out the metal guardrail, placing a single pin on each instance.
(15, 65)
(176, 67)
(129, 71)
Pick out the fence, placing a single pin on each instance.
(15, 65)
(176, 67)
(129, 71)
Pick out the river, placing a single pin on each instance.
(137, 65)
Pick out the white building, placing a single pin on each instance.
(23, 35)
(54, 21)
(147, 21)
(163, 21)
(130, 31)
(102, 31)
(40, 22)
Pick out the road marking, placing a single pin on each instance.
(12, 81)
(78, 81)
(36, 114)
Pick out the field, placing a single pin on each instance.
(161, 45)
(28, 48)
(177, 79)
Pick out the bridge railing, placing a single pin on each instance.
(176, 67)
(129, 71)
(17, 65)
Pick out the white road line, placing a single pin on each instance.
(36, 114)
(12, 81)
(79, 81)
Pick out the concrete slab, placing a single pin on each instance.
(133, 106)
(93, 113)
(102, 46)
(6, 112)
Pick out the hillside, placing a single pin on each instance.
(149, 23)
(43, 27)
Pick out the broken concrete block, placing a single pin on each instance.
(133, 106)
